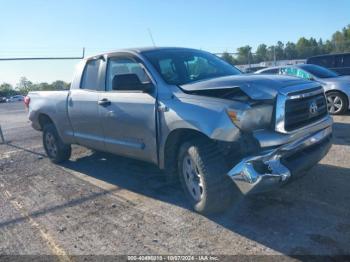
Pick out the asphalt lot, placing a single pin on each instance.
(108, 205)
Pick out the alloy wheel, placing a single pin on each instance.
(334, 104)
(193, 178)
(51, 146)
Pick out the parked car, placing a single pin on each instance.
(193, 115)
(15, 98)
(336, 62)
(2, 99)
(337, 88)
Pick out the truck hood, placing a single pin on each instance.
(257, 87)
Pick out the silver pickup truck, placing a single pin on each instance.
(222, 133)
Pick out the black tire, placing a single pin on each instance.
(55, 149)
(343, 100)
(218, 190)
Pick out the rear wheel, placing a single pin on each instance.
(337, 103)
(203, 176)
(56, 150)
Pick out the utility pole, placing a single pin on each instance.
(274, 55)
(249, 64)
(2, 136)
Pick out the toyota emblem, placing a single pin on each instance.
(313, 108)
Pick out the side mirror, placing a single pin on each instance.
(147, 87)
(130, 82)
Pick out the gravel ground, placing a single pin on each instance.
(99, 204)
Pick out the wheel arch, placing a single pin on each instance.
(174, 140)
(341, 92)
(44, 119)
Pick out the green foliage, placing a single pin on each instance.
(228, 58)
(290, 51)
(261, 53)
(302, 49)
(244, 55)
(24, 86)
(7, 90)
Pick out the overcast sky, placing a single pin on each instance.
(60, 28)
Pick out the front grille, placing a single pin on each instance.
(302, 111)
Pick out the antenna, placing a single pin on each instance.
(151, 36)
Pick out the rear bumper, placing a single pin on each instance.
(276, 166)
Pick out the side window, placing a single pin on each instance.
(273, 71)
(90, 79)
(290, 71)
(346, 60)
(327, 61)
(338, 61)
(124, 70)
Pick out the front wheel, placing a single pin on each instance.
(202, 172)
(55, 149)
(337, 103)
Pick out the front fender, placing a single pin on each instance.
(209, 119)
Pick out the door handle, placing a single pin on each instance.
(70, 101)
(162, 108)
(104, 102)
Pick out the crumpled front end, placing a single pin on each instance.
(274, 167)
(300, 139)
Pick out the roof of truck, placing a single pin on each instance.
(139, 50)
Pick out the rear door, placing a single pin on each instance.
(83, 107)
(129, 116)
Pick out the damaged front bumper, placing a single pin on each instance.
(274, 167)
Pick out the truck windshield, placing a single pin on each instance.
(319, 71)
(179, 67)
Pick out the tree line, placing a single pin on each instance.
(24, 86)
(302, 49)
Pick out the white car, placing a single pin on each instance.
(336, 87)
(15, 98)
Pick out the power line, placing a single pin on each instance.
(45, 58)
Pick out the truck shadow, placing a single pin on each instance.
(309, 216)
(341, 133)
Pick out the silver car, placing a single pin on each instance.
(336, 87)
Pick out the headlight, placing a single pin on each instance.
(253, 118)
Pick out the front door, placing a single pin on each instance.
(128, 116)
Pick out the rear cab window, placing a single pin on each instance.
(91, 75)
